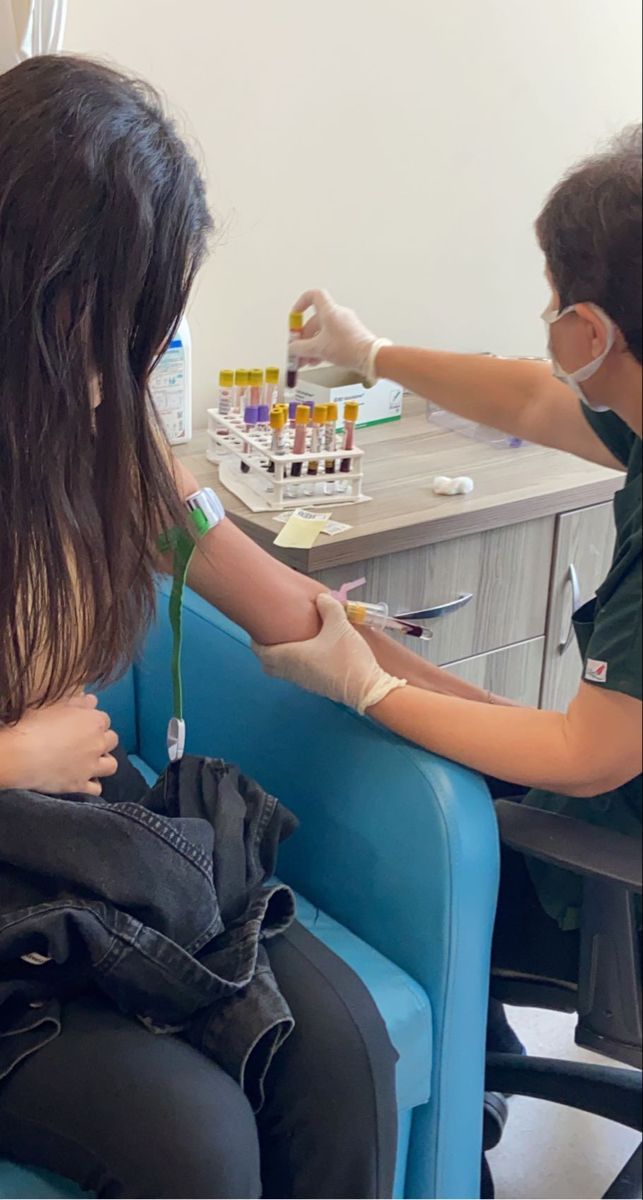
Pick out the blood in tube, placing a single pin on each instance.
(295, 326)
(330, 436)
(278, 440)
(299, 442)
(316, 439)
(351, 413)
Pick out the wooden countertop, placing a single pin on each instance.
(401, 461)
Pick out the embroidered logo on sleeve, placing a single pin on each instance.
(596, 671)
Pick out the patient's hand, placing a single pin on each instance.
(64, 747)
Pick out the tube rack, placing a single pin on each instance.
(231, 445)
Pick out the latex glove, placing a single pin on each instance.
(64, 747)
(337, 663)
(336, 335)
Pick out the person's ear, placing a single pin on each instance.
(596, 331)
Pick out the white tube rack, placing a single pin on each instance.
(231, 445)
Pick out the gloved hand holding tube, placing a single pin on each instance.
(336, 335)
(337, 663)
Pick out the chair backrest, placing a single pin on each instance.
(607, 994)
(609, 991)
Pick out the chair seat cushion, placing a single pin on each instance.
(403, 1004)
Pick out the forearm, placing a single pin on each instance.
(275, 604)
(266, 598)
(496, 392)
(269, 600)
(519, 396)
(524, 745)
(403, 662)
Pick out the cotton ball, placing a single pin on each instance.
(444, 485)
(464, 485)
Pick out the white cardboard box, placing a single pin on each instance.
(326, 385)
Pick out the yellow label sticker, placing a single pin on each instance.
(302, 529)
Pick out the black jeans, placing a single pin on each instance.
(126, 1113)
(526, 941)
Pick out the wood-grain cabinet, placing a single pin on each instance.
(513, 636)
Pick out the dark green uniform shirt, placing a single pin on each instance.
(608, 630)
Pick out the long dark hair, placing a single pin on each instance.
(103, 224)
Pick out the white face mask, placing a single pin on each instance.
(574, 380)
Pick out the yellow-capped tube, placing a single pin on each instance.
(375, 616)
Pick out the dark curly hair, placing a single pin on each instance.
(590, 232)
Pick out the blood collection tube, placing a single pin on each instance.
(226, 392)
(351, 413)
(375, 616)
(295, 326)
(257, 396)
(256, 387)
(278, 440)
(250, 419)
(330, 436)
(271, 391)
(299, 443)
(241, 393)
(316, 438)
(292, 413)
(330, 444)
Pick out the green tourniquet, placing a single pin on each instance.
(182, 546)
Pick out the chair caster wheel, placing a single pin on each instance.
(496, 1115)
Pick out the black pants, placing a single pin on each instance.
(126, 1113)
(527, 942)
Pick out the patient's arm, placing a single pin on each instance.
(276, 604)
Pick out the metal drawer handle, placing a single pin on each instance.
(438, 610)
(566, 638)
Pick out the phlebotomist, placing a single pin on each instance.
(585, 762)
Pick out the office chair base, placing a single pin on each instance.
(629, 1184)
(610, 1092)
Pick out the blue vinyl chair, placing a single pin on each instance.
(395, 865)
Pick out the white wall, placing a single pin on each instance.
(395, 151)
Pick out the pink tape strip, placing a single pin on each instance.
(342, 593)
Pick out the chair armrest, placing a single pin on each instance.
(577, 846)
(393, 842)
(398, 846)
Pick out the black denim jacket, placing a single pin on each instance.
(159, 899)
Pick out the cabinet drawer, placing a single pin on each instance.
(507, 570)
(582, 556)
(514, 672)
